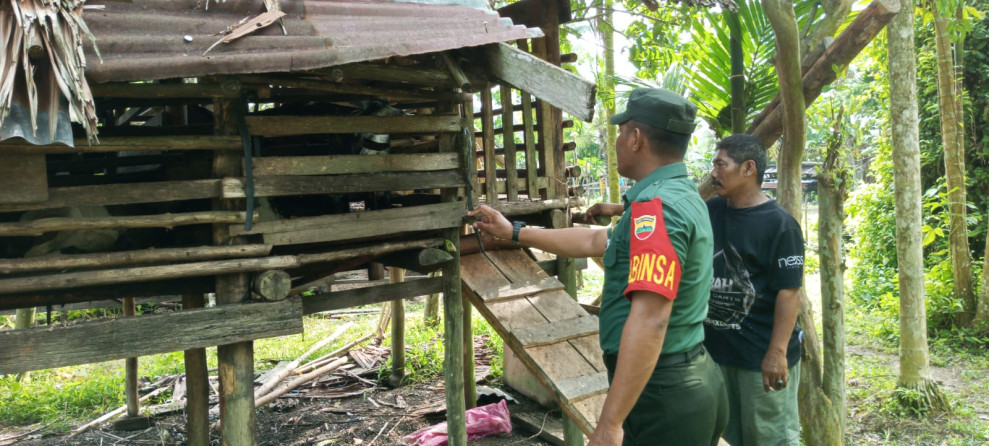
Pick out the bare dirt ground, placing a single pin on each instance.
(370, 415)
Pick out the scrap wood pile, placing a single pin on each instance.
(347, 371)
(42, 61)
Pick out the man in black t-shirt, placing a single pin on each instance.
(751, 329)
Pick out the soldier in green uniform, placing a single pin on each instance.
(665, 389)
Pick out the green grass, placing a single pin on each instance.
(875, 416)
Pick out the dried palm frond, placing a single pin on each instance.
(29, 30)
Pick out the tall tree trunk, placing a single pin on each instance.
(832, 192)
(816, 412)
(914, 368)
(739, 112)
(607, 93)
(982, 309)
(784, 23)
(953, 138)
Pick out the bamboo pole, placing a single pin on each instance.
(295, 383)
(287, 370)
(325, 359)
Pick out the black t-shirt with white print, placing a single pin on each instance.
(758, 251)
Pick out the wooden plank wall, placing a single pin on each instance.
(509, 133)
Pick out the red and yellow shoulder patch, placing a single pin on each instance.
(653, 262)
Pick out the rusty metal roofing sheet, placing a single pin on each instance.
(159, 39)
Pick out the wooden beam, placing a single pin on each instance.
(359, 224)
(542, 182)
(60, 297)
(346, 89)
(361, 72)
(551, 268)
(520, 127)
(511, 209)
(548, 82)
(520, 289)
(132, 143)
(272, 285)
(130, 367)
(105, 340)
(274, 186)
(46, 225)
(270, 126)
(460, 78)
(369, 250)
(529, 133)
(352, 164)
(370, 295)
(768, 126)
(422, 261)
(144, 273)
(558, 331)
(508, 141)
(487, 144)
(159, 90)
(140, 257)
(196, 384)
(114, 194)
(576, 389)
(235, 360)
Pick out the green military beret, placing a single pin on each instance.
(659, 108)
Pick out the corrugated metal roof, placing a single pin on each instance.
(146, 39)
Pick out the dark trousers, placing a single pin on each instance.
(683, 404)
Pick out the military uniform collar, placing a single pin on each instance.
(666, 172)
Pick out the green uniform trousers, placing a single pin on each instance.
(683, 404)
(760, 418)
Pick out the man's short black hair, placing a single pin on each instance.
(663, 142)
(742, 148)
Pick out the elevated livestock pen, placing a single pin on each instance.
(335, 136)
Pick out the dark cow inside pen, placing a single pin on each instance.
(328, 144)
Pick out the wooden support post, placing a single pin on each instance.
(490, 165)
(470, 163)
(397, 275)
(130, 368)
(550, 123)
(430, 313)
(236, 361)
(196, 385)
(508, 133)
(453, 313)
(470, 385)
(453, 305)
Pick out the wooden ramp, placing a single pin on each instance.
(546, 328)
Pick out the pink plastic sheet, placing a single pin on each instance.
(481, 422)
